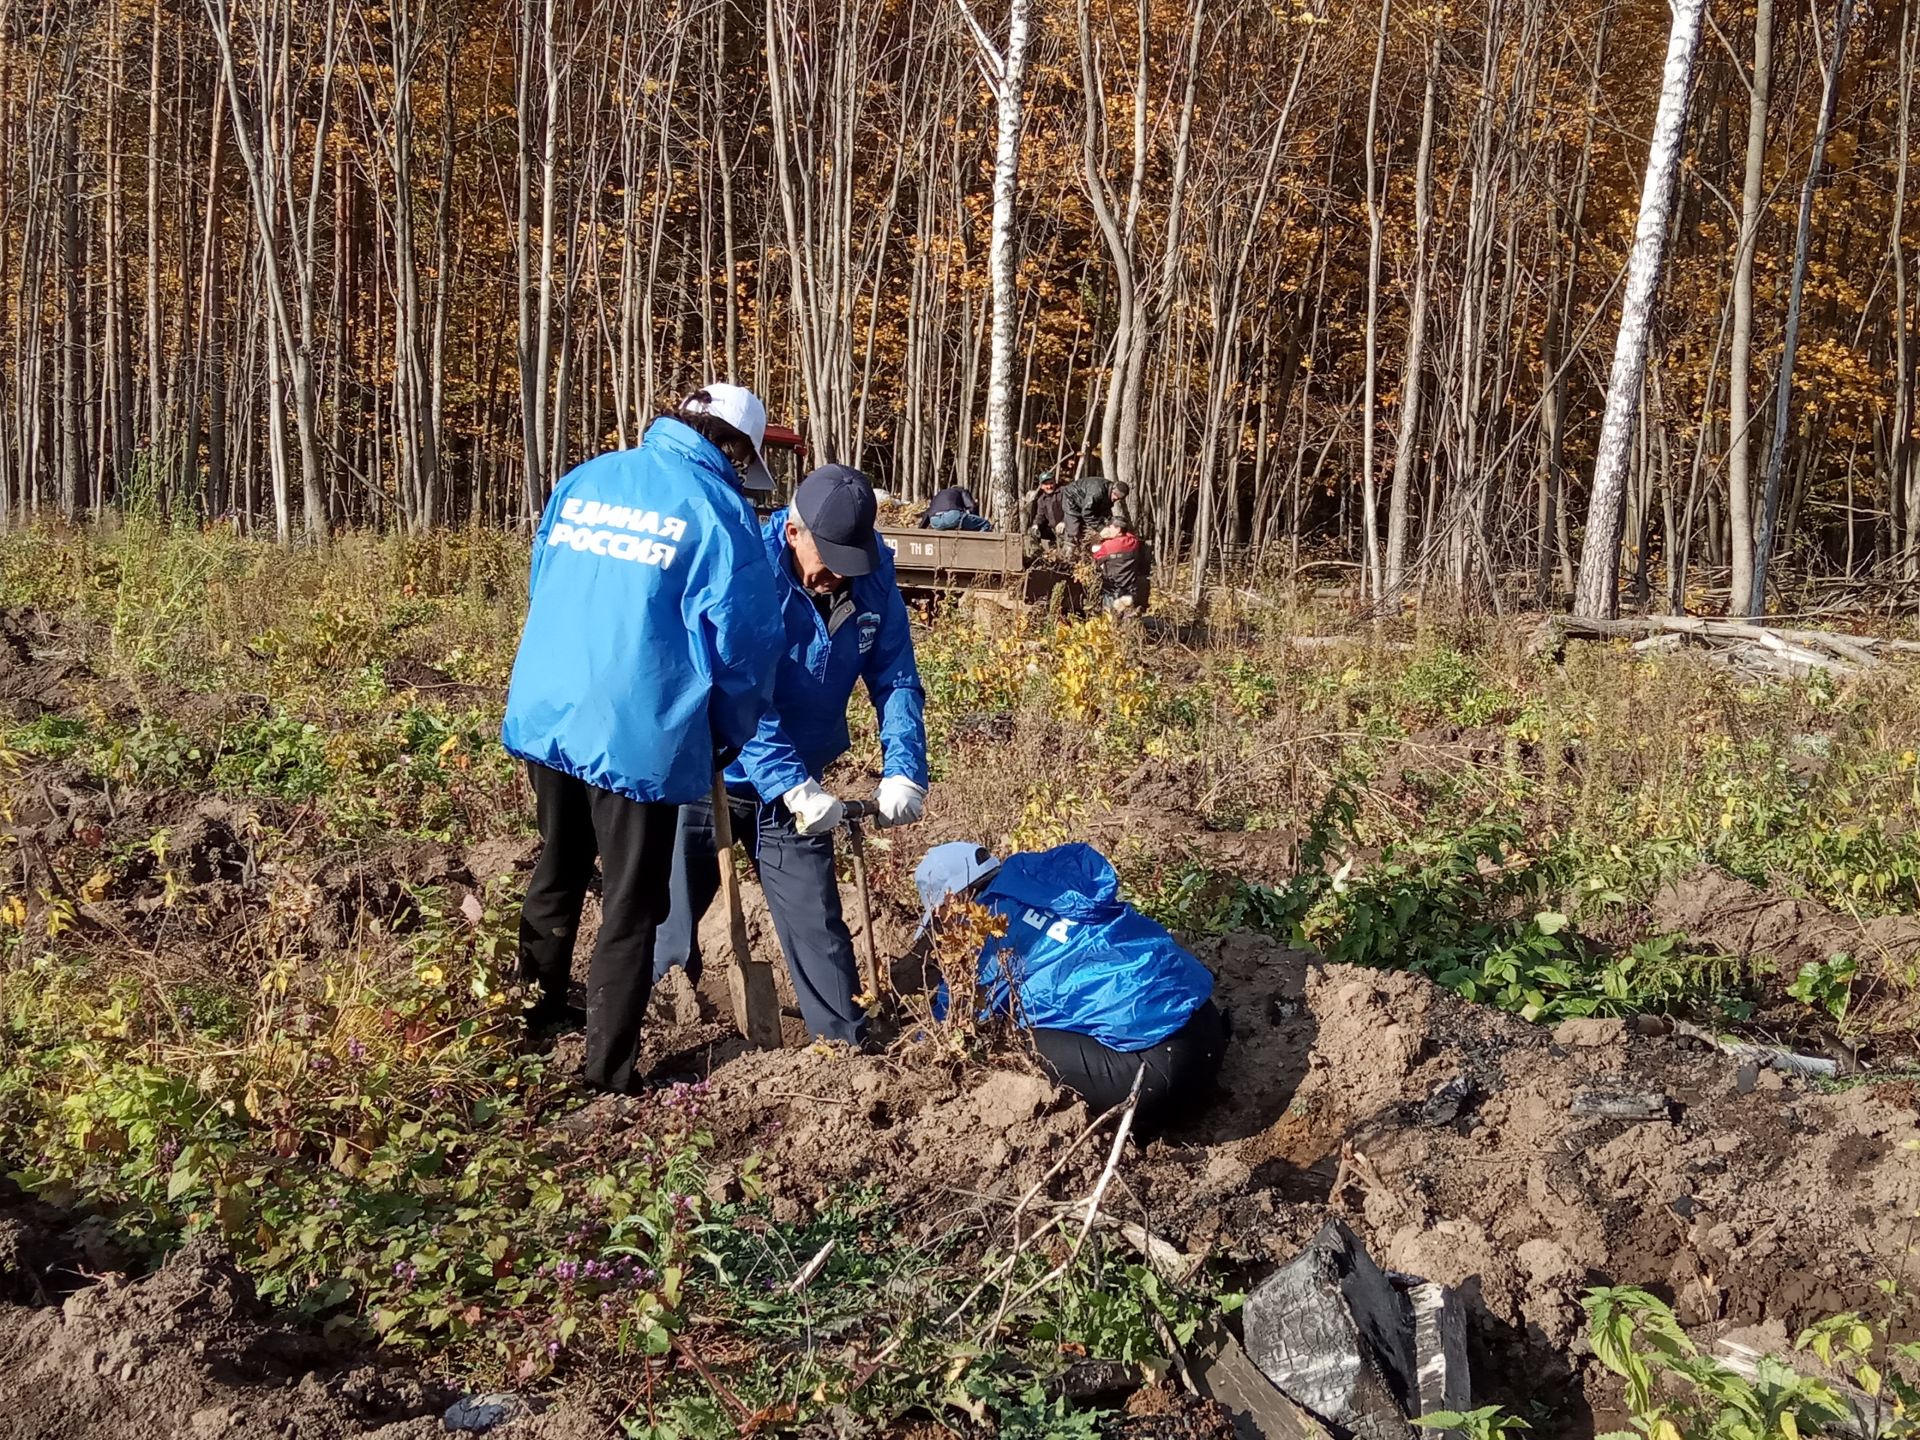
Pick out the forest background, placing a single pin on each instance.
(1323, 280)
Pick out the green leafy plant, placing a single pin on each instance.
(1489, 1422)
(1250, 686)
(1673, 1392)
(1031, 1415)
(1826, 985)
(1443, 684)
(366, 1138)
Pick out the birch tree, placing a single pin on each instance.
(1005, 70)
(1596, 593)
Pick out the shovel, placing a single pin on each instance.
(756, 1005)
(856, 811)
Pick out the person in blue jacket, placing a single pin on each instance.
(843, 622)
(647, 657)
(1103, 990)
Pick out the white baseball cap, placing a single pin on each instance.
(740, 408)
(948, 869)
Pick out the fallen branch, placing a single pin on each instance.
(741, 1412)
(1020, 1244)
(1763, 648)
(1816, 1067)
(1167, 1259)
(1093, 1200)
(812, 1268)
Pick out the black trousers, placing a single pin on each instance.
(1182, 1069)
(634, 843)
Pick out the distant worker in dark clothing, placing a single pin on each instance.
(953, 509)
(1091, 502)
(1125, 563)
(1046, 508)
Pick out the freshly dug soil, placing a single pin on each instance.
(1450, 1136)
(189, 1353)
(1718, 911)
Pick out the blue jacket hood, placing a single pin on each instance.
(1076, 881)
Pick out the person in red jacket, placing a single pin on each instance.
(1125, 563)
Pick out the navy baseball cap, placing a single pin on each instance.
(837, 506)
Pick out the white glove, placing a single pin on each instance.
(814, 811)
(901, 801)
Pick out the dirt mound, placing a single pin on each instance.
(822, 1121)
(190, 1353)
(1167, 808)
(1262, 989)
(1721, 911)
(1457, 1141)
(185, 1352)
(38, 674)
(42, 1258)
(1463, 1143)
(353, 890)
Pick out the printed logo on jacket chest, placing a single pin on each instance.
(869, 630)
(619, 532)
(1056, 927)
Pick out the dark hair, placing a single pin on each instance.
(728, 439)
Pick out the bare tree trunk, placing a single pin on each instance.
(1904, 466)
(1763, 540)
(1596, 594)
(156, 397)
(533, 381)
(1740, 377)
(1414, 357)
(1369, 521)
(1119, 252)
(269, 160)
(71, 462)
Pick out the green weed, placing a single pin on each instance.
(1443, 684)
(1674, 1392)
(1826, 985)
(366, 1139)
(1489, 1422)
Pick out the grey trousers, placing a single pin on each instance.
(796, 873)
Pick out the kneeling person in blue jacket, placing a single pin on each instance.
(1102, 989)
(650, 645)
(844, 622)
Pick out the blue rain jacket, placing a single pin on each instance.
(1082, 958)
(651, 634)
(806, 730)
